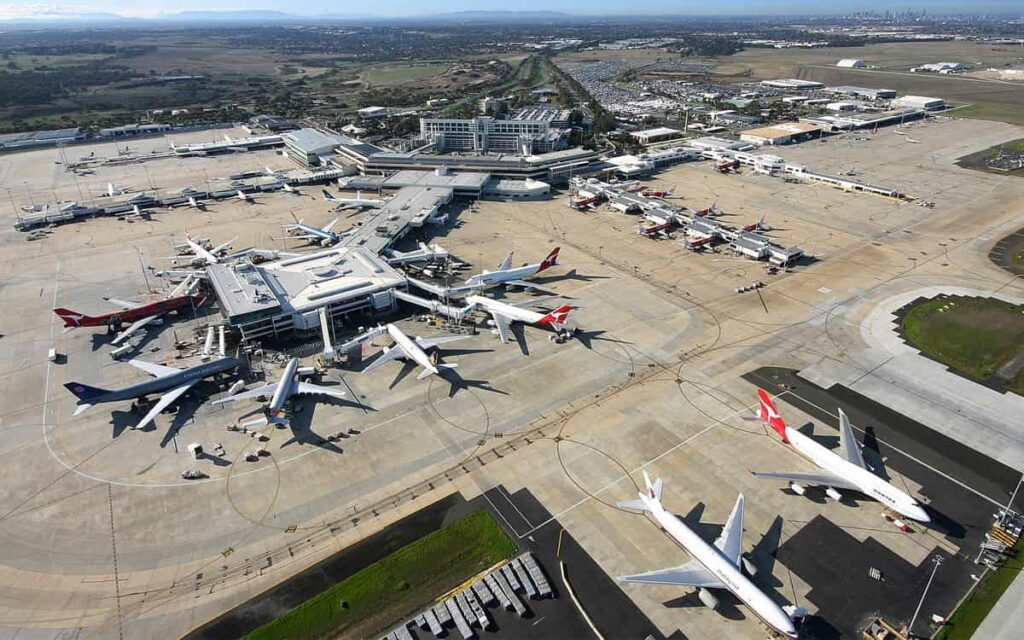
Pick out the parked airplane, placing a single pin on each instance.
(657, 193)
(112, 191)
(171, 382)
(359, 202)
(139, 315)
(290, 189)
(288, 385)
(323, 236)
(245, 197)
(843, 470)
(411, 349)
(511, 276)
(504, 314)
(711, 566)
(201, 256)
(425, 253)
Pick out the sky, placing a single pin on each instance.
(426, 7)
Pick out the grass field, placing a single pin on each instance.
(386, 75)
(969, 615)
(397, 585)
(976, 336)
(979, 162)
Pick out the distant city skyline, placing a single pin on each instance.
(405, 8)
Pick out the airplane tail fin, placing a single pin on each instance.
(646, 499)
(556, 317)
(549, 261)
(770, 415)
(71, 318)
(327, 195)
(84, 392)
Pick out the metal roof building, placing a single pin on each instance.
(287, 294)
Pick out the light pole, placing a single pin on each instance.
(937, 560)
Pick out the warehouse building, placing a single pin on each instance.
(940, 67)
(852, 63)
(658, 134)
(920, 102)
(864, 92)
(311, 148)
(557, 118)
(792, 83)
(46, 138)
(783, 133)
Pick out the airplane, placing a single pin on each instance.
(171, 382)
(195, 204)
(510, 276)
(279, 392)
(112, 191)
(425, 253)
(709, 211)
(244, 197)
(359, 202)
(658, 230)
(843, 470)
(913, 141)
(657, 193)
(583, 204)
(757, 226)
(411, 349)
(139, 315)
(141, 214)
(290, 189)
(716, 566)
(323, 236)
(504, 314)
(201, 256)
(727, 166)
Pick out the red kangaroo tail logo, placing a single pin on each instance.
(70, 318)
(549, 261)
(770, 415)
(558, 316)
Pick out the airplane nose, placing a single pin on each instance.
(918, 513)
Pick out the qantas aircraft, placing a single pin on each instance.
(504, 314)
(843, 470)
(139, 315)
(511, 276)
(201, 256)
(279, 392)
(715, 566)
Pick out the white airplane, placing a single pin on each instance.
(412, 349)
(195, 204)
(112, 191)
(715, 566)
(244, 197)
(279, 392)
(324, 236)
(201, 256)
(359, 202)
(504, 314)
(510, 276)
(843, 470)
(290, 189)
(425, 253)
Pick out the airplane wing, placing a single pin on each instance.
(849, 448)
(126, 304)
(819, 478)
(430, 343)
(153, 369)
(691, 574)
(309, 388)
(132, 329)
(165, 401)
(266, 390)
(391, 354)
(528, 285)
(502, 324)
(730, 541)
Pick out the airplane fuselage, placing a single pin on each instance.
(412, 350)
(724, 570)
(284, 388)
(131, 315)
(867, 482)
(166, 383)
(491, 278)
(511, 312)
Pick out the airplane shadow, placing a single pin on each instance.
(829, 442)
(762, 556)
(728, 604)
(587, 338)
(873, 455)
(458, 383)
(941, 523)
(705, 530)
(300, 423)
